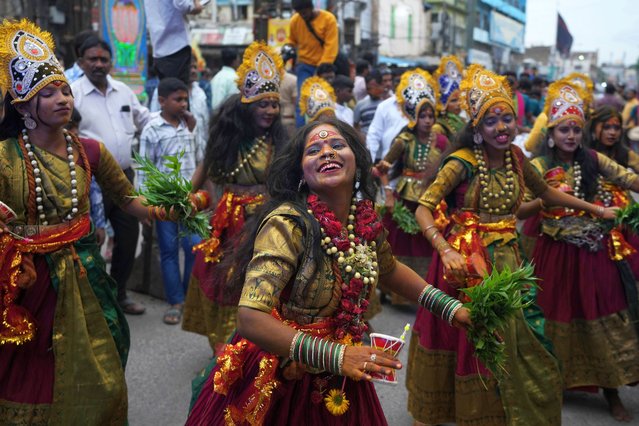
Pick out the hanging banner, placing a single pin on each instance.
(277, 32)
(123, 26)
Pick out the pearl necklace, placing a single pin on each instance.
(358, 254)
(576, 174)
(38, 179)
(259, 143)
(422, 151)
(604, 196)
(486, 194)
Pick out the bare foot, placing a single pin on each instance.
(617, 409)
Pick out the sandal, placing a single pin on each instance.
(173, 315)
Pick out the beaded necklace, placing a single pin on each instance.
(421, 153)
(37, 174)
(259, 144)
(602, 194)
(486, 194)
(354, 251)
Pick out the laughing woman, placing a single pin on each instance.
(582, 268)
(307, 266)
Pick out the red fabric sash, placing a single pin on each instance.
(17, 272)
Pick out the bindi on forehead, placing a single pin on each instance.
(613, 120)
(499, 108)
(323, 135)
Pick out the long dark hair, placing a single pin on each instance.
(231, 129)
(284, 187)
(619, 151)
(12, 123)
(583, 156)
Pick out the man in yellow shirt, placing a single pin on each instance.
(315, 34)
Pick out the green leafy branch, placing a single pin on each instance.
(404, 218)
(171, 191)
(491, 305)
(629, 217)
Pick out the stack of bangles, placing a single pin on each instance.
(436, 234)
(200, 199)
(439, 303)
(160, 213)
(318, 353)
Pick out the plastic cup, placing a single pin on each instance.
(392, 346)
(7, 215)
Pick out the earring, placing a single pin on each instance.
(29, 122)
(301, 185)
(551, 143)
(477, 138)
(358, 176)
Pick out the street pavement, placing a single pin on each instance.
(164, 359)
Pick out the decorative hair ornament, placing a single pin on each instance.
(584, 84)
(416, 88)
(448, 76)
(260, 74)
(481, 89)
(27, 62)
(316, 96)
(564, 102)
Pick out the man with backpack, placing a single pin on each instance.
(315, 35)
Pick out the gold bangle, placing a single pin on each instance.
(541, 204)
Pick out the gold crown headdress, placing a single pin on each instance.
(27, 62)
(564, 101)
(449, 76)
(416, 88)
(481, 89)
(316, 97)
(260, 74)
(584, 83)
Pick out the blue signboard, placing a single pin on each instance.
(506, 32)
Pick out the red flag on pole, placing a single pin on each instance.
(564, 38)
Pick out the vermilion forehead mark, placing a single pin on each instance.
(323, 134)
(613, 120)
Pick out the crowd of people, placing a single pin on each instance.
(306, 169)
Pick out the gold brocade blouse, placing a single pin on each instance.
(283, 259)
(411, 184)
(458, 177)
(458, 181)
(253, 167)
(609, 169)
(56, 182)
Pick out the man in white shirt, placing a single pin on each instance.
(170, 39)
(223, 84)
(112, 114)
(387, 122)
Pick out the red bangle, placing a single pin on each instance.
(200, 199)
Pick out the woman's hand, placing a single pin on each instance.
(610, 213)
(383, 167)
(359, 361)
(455, 264)
(462, 318)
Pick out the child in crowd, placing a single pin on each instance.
(169, 134)
(343, 87)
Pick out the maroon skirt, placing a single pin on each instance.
(575, 283)
(413, 250)
(293, 402)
